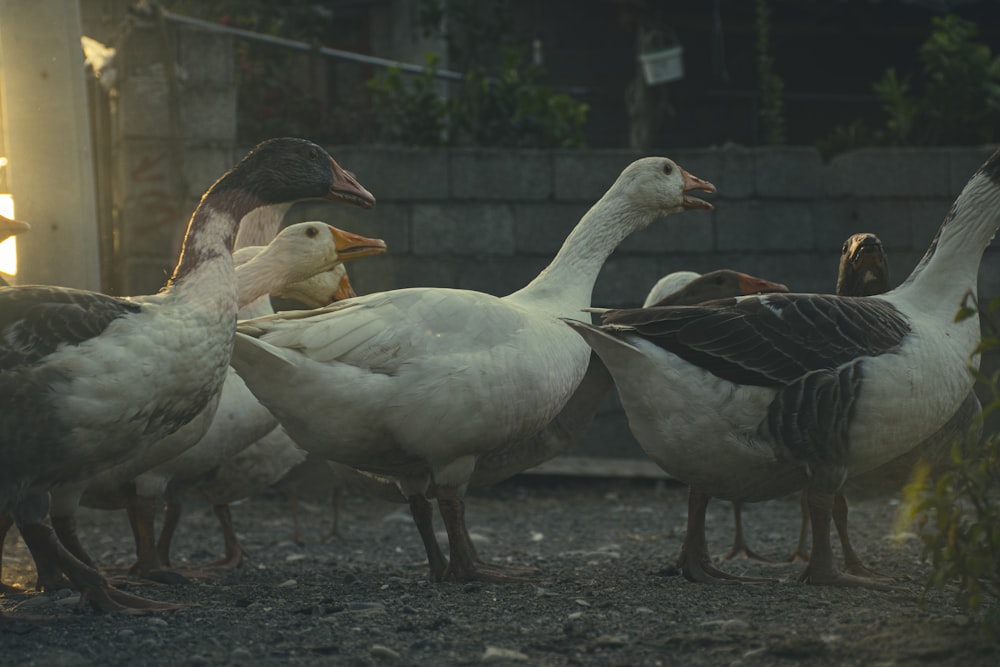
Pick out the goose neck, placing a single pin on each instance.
(569, 278)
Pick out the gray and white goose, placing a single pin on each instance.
(88, 380)
(764, 395)
(408, 367)
(297, 253)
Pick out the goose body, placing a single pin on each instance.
(407, 368)
(764, 395)
(76, 365)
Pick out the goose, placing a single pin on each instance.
(565, 430)
(89, 380)
(297, 253)
(407, 368)
(8, 227)
(213, 468)
(760, 396)
(864, 271)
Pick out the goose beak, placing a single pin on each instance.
(351, 246)
(754, 285)
(344, 290)
(346, 188)
(9, 227)
(692, 182)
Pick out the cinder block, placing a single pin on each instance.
(625, 280)
(889, 219)
(206, 58)
(208, 113)
(393, 173)
(739, 178)
(420, 271)
(541, 228)
(763, 226)
(898, 172)
(926, 216)
(964, 162)
(587, 175)
(463, 229)
(501, 175)
(143, 105)
(693, 231)
(787, 172)
(495, 275)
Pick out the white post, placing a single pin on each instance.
(47, 139)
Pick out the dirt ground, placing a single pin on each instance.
(608, 593)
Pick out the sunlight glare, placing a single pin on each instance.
(8, 249)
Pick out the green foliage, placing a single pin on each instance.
(957, 101)
(410, 111)
(512, 110)
(958, 508)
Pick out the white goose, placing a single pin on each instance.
(761, 396)
(297, 253)
(565, 430)
(78, 368)
(241, 421)
(408, 368)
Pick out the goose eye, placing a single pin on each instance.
(311, 232)
(667, 168)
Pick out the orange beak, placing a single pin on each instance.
(692, 182)
(351, 246)
(754, 285)
(346, 188)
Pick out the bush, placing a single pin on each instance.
(955, 101)
(512, 109)
(957, 509)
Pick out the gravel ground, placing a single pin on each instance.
(608, 592)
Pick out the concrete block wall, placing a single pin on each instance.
(171, 140)
(490, 220)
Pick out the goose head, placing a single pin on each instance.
(289, 169)
(662, 181)
(864, 267)
(685, 288)
(305, 249)
(9, 227)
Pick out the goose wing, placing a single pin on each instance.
(770, 340)
(36, 320)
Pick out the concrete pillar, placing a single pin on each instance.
(47, 141)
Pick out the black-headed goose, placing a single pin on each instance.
(408, 368)
(764, 395)
(297, 253)
(89, 380)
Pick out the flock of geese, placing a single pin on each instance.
(732, 384)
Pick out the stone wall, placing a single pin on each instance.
(490, 220)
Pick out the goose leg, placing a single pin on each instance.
(94, 588)
(335, 497)
(821, 569)
(740, 549)
(465, 564)
(234, 555)
(142, 512)
(293, 504)
(695, 562)
(6, 521)
(852, 562)
(423, 517)
(171, 518)
(801, 553)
